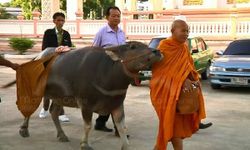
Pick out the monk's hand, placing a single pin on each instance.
(62, 49)
(188, 86)
(196, 83)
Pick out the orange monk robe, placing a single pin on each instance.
(168, 77)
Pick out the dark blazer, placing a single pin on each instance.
(50, 39)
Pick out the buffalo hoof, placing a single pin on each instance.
(62, 138)
(126, 148)
(24, 132)
(86, 147)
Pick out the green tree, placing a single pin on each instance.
(5, 4)
(94, 9)
(5, 15)
(28, 6)
(63, 5)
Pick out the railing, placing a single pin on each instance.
(210, 28)
(243, 29)
(147, 27)
(134, 29)
(16, 27)
(90, 28)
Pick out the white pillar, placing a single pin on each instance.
(156, 4)
(73, 6)
(224, 4)
(179, 4)
(120, 4)
(131, 5)
(169, 4)
(49, 7)
(210, 4)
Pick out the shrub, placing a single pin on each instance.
(21, 44)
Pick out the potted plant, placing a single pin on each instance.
(21, 45)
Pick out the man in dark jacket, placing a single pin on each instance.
(55, 37)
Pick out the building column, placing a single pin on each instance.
(131, 5)
(170, 4)
(233, 20)
(49, 7)
(73, 7)
(36, 16)
(178, 4)
(157, 5)
(120, 4)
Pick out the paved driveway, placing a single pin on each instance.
(228, 109)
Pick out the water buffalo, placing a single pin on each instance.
(95, 80)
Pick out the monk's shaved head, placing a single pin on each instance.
(178, 24)
(180, 30)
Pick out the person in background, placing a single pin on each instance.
(109, 35)
(60, 38)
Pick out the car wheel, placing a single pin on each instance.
(205, 74)
(136, 82)
(215, 86)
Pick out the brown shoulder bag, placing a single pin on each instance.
(188, 102)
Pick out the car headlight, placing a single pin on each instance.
(214, 68)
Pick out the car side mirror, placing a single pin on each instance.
(219, 53)
(195, 51)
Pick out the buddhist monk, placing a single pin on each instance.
(174, 73)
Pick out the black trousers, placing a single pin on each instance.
(46, 105)
(101, 121)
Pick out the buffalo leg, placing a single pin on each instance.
(24, 131)
(55, 111)
(87, 118)
(119, 119)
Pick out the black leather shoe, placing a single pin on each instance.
(103, 128)
(204, 126)
(118, 135)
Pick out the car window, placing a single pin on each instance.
(241, 47)
(155, 42)
(193, 45)
(201, 45)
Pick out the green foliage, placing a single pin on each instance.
(95, 9)
(27, 6)
(21, 44)
(5, 4)
(5, 15)
(63, 5)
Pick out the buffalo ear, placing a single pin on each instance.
(114, 56)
